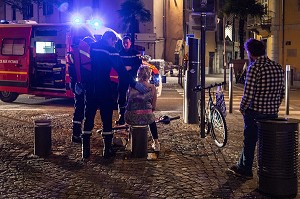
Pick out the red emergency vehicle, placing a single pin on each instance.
(33, 59)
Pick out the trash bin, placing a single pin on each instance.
(139, 141)
(42, 137)
(277, 157)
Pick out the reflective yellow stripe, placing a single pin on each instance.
(71, 59)
(114, 76)
(85, 53)
(13, 72)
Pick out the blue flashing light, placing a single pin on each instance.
(77, 19)
(95, 23)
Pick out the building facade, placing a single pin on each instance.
(280, 30)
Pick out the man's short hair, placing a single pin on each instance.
(108, 35)
(255, 48)
(126, 37)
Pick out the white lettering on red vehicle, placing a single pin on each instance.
(7, 61)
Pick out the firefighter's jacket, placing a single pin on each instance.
(103, 59)
(79, 63)
(131, 58)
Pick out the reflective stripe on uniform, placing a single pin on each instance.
(107, 133)
(105, 51)
(76, 122)
(87, 132)
(84, 53)
(129, 57)
(70, 58)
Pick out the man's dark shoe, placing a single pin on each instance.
(240, 172)
(76, 139)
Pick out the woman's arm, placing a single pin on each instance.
(154, 94)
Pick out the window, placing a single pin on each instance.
(47, 9)
(45, 47)
(28, 11)
(13, 47)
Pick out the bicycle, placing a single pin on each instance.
(215, 123)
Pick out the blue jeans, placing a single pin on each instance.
(250, 138)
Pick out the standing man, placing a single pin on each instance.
(132, 62)
(263, 94)
(103, 57)
(78, 60)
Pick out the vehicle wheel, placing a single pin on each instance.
(219, 127)
(6, 96)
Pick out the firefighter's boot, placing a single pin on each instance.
(86, 149)
(76, 136)
(121, 120)
(107, 150)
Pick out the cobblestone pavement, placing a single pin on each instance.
(188, 166)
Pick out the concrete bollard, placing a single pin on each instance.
(139, 141)
(42, 137)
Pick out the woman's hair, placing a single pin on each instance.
(144, 73)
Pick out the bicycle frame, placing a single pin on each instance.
(215, 122)
(209, 107)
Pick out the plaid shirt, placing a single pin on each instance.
(264, 87)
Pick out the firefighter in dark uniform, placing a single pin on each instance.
(103, 57)
(78, 60)
(132, 61)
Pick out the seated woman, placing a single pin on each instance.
(140, 107)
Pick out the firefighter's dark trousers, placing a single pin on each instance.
(78, 116)
(78, 107)
(106, 112)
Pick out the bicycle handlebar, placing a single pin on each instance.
(199, 87)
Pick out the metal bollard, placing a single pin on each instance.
(230, 87)
(42, 137)
(139, 141)
(164, 79)
(287, 89)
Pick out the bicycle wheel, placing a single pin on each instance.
(206, 125)
(218, 127)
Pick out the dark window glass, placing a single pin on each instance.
(47, 9)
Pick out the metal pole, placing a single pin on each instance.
(224, 51)
(202, 53)
(287, 88)
(230, 86)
